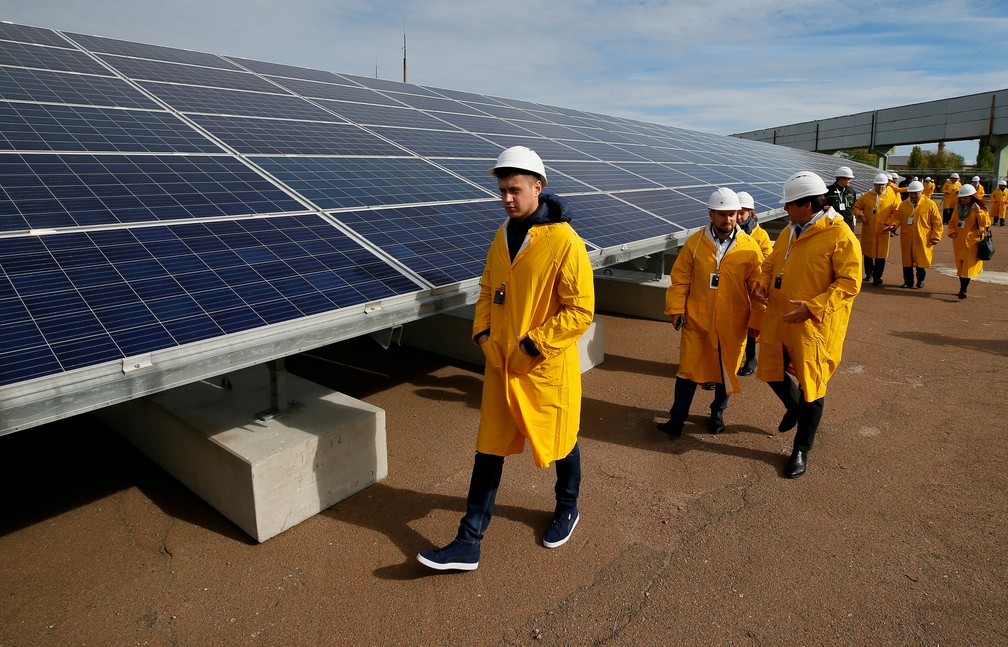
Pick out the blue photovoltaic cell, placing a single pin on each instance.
(664, 174)
(26, 127)
(605, 222)
(553, 131)
(289, 71)
(316, 90)
(49, 191)
(439, 143)
(442, 243)
(155, 52)
(375, 115)
(338, 183)
(189, 74)
(602, 176)
(185, 98)
(33, 35)
(547, 149)
(476, 124)
(435, 103)
(477, 171)
(507, 112)
(78, 299)
(606, 151)
(19, 84)
(276, 137)
(700, 195)
(459, 95)
(666, 203)
(49, 58)
(384, 84)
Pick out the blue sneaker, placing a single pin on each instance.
(456, 556)
(561, 529)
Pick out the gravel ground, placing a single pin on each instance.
(896, 534)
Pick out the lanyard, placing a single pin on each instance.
(722, 248)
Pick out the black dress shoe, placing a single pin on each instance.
(788, 422)
(906, 285)
(673, 429)
(716, 423)
(877, 282)
(796, 464)
(961, 295)
(920, 284)
(746, 370)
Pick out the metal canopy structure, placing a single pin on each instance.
(167, 216)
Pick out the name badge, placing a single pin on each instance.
(715, 279)
(910, 220)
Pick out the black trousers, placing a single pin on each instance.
(808, 413)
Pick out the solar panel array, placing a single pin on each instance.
(152, 197)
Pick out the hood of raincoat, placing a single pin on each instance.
(552, 208)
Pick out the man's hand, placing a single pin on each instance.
(799, 314)
(482, 339)
(759, 294)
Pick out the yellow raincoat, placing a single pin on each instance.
(823, 269)
(918, 227)
(550, 296)
(950, 194)
(874, 212)
(762, 239)
(714, 317)
(999, 204)
(980, 191)
(929, 189)
(964, 243)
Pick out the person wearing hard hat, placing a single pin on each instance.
(873, 209)
(749, 223)
(999, 203)
(808, 282)
(969, 222)
(920, 226)
(708, 300)
(950, 196)
(894, 180)
(979, 188)
(929, 187)
(841, 196)
(536, 299)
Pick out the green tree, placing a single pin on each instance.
(917, 158)
(985, 158)
(863, 156)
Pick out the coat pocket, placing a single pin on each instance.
(492, 353)
(520, 363)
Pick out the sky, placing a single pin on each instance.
(717, 66)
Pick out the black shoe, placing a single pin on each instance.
(906, 285)
(716, 422)
(796, 464)
(961, 295)
(747, 370)
(920, 284)
(456, 556)
(788, 422)
(877, 282)
(708, 386)
(673, 429)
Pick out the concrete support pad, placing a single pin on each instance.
(450, 334)
(638, 294)
(265, 476)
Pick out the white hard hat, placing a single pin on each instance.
(844, 171)
(521, 158)
(967, 190)
(976, 178)
(954, 176)
(914, 178)
(723, 200)
(746, 201)
(1002, 182)
(881, 178)
(803, 184)
(927, 179)
(915, 186)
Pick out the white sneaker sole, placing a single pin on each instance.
(557, 544)
(449, 566)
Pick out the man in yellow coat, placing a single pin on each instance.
(708, 300)
(950, 196)
(929, 187)
(808, 282)
(537, 297)
(970, 221)
(874, 209)
(920, 226)
(999, 203)
(749, 223)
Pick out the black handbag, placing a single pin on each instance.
(985, 245)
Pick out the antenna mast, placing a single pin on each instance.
(404, 50)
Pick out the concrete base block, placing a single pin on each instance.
(449, 334)
(265, 476)
(627, 292)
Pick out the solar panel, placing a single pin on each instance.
(183, 204)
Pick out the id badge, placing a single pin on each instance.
(715, 279)
(842, 207)
(777, 282)
(499, 296)
(962, 223)
(910, 220)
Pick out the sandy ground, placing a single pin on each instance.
(895, 536)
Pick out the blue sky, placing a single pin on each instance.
(719, 66)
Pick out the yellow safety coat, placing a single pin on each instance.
(550, 296)
(999, 204)
(918, 227)
(950, 194)
(714, 317)
(762, 239)
(874, 212)
(964, 243)
(823, 269)
(929, 189)
(980, 192)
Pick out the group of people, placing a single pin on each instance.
(729, 287)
